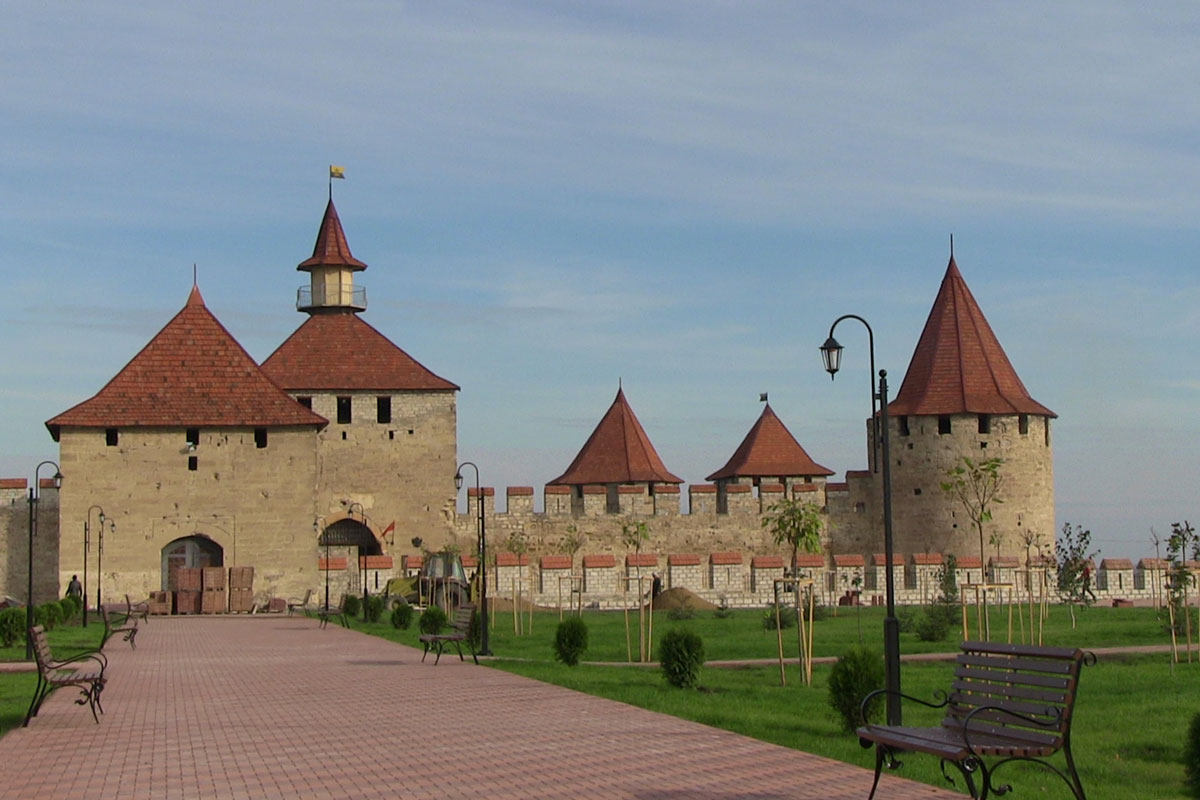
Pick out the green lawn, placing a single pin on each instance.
(1131, 715)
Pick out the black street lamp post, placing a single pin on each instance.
(319, 527)
(87, 545)
(34, 492)
(362, 559)
(112, 528)
(483, 606)
(831, 354)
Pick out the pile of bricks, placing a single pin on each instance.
(213, 595)
(187, 590)
(241, 589)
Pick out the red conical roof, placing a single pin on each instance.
(618, 451)
(769, 451)
(193, 373)
(331, 249)
(340, 351)
(959, 366)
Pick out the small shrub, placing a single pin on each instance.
(475, 629)
(1191, 757)
(907, 617)
(681, 654)
(682, 613)
(402, 616)
(855, 675)
(570, 640)
(352, 605)
(723, 610)
(48, 614)
(68, 607)
(932, 627)
(433, 620)
(375, 606)
(819, 612)
(12, 623)
(787, 618)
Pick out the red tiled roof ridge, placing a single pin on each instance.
(192, 373)
(333, 352)
(331, 248)
(959, 366)
(769, 450)
(618, 451)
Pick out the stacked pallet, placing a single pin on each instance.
(241, 589)
(160, 603)
(187, 590)
(213, 595)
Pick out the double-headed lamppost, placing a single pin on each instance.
(87, 545)
(483, 608)
(362, 559)
(831, 354)
(319, 529)
(112, 528)
(34, 493)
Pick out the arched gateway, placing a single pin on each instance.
(196, 550)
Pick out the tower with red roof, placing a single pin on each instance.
(961, 397)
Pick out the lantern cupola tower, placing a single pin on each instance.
(331, 287)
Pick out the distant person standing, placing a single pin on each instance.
(655, 586)
(75, 588)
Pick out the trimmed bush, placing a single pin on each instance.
(932, 626)
(433, 620)
(1191, 757)
(375, 606)
(570, 640)
(68, 607)
(475, 629)
(12, 623)
(48, 614)
(402, 616)
(855, 675)
(681, 613)
(681, 654)
(787, 618)
(352, 605)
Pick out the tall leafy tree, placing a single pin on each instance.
(976, 485)
(1074, 567)
(797, 524)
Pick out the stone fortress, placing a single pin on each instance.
(330, 458)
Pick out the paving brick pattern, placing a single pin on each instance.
(273, 707)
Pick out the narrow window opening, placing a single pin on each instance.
(410, 431)
(111, 437)
(1023, 424)
(985, 423)
(613, 504)
(343, 411)
(860, 507)
(983, 445)
(193, 436)
(305, 401)
(943, 424)
(260, 438)
(903, 425)
(391, 434)
(1047, 426)
(343, 436)
(193, 463)
(916, 491)
(383, 410)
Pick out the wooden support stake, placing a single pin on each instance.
(779, 639)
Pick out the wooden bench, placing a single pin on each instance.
(460, 630)
(85, 671)
(325, 613)
(1007, 702)
(139, 610)
(296, 604)
(127, 626)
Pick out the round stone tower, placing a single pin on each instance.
(961, 398)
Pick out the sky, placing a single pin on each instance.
(678, 196)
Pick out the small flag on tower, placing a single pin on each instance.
(337, 172)
(762, 397)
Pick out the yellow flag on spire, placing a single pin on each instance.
(337, 172)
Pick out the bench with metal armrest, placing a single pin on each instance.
(84, 671)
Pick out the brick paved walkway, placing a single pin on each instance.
(273, 707)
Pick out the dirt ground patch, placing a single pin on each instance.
(681, 598)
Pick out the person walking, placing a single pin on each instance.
(75, 588)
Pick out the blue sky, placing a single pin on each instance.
(683, 196)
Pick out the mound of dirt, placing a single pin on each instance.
(681, 598)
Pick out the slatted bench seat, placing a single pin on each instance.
(460, 630)
(1007, 702)
(84, 671)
